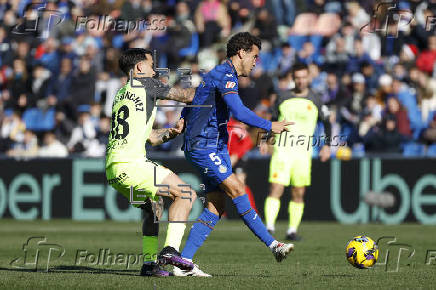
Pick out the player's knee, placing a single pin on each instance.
(237, 191)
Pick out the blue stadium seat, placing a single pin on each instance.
(30, 118)
(297, 41)
(413, 149)
(193, 49)
(39, 120)
(431, 151)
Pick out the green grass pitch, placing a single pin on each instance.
(235, 258)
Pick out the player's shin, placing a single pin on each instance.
(272, 207)
(199, 232)
(175, 233)
(252, 220)
(296, 210)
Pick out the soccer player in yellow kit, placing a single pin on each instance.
(130, 172)
(291, 160)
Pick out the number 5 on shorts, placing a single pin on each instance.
(215, 159)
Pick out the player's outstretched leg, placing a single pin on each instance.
(150, 231)
(183, 198)
(233, 188)
(201, 230)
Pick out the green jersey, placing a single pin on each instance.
(304, 112)
(133, 114)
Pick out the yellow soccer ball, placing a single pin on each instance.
(362, 252)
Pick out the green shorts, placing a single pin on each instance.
(290, 168)
(137, 180)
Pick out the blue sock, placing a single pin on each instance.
(199, 232)
(252, 220)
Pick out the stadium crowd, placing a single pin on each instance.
(59, 69)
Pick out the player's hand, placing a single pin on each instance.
(324, 153)
(279, 127)
(178, 129)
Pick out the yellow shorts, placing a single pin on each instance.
(137, 180)
(290, 168)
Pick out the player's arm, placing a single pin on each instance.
(181, 95)
(160, 136)
(157, 89)
(229, 91)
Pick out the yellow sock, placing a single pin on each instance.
(175, 233)
(295, 213)
(272, 207)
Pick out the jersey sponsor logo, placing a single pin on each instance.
(115, 143)
(222, 169)
(230, 85)
(120, 178)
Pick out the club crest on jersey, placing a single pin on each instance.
(230, 85)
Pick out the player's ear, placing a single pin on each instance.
(241, 53)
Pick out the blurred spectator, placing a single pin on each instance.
(82, 135)
(334, 91)
(19, 86)
(384, 138)
(399, 115)
(60, 85)
(211, 21)
(318, 78)
(63, 127)
(248, 92)
(12, 131)
(263, 83)
(429, 134)
(336, 54)
(265, 26)
(287, 58)
(52, 147)
(371, 115)
(284, 11)
(357, 58)
(385, 88)
(27, 147)
(83, 82)
(426, 60)
(370, 75)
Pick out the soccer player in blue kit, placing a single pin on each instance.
(205, 147)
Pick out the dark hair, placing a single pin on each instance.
(242, 40)
(130, 57)
(298, 67)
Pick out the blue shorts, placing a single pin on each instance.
(214, 165)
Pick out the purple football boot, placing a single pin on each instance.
(154, 270)
(169, 256)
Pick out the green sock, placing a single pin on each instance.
(272, 207)
(295, 213)
(149, 248)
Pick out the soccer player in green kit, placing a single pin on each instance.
(130, 172)
(291, 160)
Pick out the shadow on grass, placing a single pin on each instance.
(337, 275)
(78, 269)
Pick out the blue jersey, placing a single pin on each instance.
(206, 127)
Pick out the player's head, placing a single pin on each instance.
(243, 48)
(300, 74)
(139, 60)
